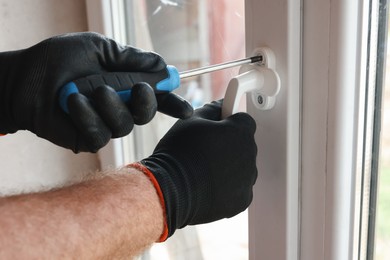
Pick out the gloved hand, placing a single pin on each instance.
(30, 80)
(204, 167)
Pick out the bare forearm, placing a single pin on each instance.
(115, 216)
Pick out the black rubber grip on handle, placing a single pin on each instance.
(119, 81)
(161, 81)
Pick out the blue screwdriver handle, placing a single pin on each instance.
(165, 80)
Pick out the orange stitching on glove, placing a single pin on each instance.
(150, 175)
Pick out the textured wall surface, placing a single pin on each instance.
(28, 163)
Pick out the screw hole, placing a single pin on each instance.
(260, 99)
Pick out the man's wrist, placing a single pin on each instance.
(149, 174)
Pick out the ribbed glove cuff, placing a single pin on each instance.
(7, 59)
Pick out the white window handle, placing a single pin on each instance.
(261, 81)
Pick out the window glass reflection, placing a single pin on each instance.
(190, 34)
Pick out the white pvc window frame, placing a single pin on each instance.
(305, 198)
(333, 82)
(274, 213)
(306, 203)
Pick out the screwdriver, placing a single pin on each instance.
(165, 80)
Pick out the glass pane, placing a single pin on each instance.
(382, 234)
(191, 34)
(379, 231)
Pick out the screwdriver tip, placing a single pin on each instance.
(258, 58)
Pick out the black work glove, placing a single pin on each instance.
(30, 81)
(205, 167)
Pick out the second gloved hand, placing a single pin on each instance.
(30, 81)
(205, 167)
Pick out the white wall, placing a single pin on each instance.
(27, 162)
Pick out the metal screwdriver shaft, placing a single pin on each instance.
(221, 66)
